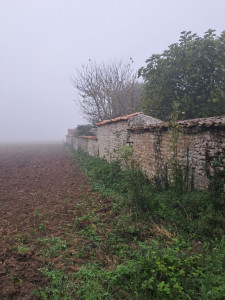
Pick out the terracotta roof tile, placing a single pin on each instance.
(123, 118)
(207, 122)
(200, 122)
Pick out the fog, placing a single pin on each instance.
(42, 42)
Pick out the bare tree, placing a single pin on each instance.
(107, 90)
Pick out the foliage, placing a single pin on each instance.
(122, 177)
(60, 286)
(169, 272)
(105, 174)
(198, 213)
(125, 255)
(153, 271)
(137, 186)
(191, 72)
(107, 90)
(217, 179)
(22, 249)
(176, 172)
(171, 174)
(83, 130)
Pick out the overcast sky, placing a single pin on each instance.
(42, 42)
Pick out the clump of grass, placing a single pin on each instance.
(22, 249)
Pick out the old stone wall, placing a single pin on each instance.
(80, 144)
(69, 139)
(200, 142)
(111, 137)
(197, 149)
(88, 144)
(92, 147)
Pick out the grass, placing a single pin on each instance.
(137, 241)
(22, 249)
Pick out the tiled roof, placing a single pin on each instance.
(123, 118)
(91, 137)
(200, 122)
(207, 122)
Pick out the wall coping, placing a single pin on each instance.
(91, 137)
(191, 123)
(118, 119)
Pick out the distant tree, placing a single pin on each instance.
(107, 90)
(191, 72)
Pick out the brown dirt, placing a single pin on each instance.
(39, 185)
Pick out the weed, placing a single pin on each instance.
(155, 272)
(42, 226)
(59, 283)
(36, 213)
(217, 179)
(55, 246)
(15, 279)
(20, 237)
(90, 232)
(42, 240)
(22, 249)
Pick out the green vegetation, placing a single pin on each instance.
(83, 130)
(191, 72)
(141, 241)
(22, 249)
(199, 213)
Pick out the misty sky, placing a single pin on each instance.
(42, 42)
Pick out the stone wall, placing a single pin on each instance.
(70, 136)
(111, 137)
(85, 143)
(200, 142)
(92, 147)
(114, 134)
(198, 146)
(80, 143)
(69, 139)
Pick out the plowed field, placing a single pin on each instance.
(39, 185)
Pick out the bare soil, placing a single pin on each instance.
(39, 185)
